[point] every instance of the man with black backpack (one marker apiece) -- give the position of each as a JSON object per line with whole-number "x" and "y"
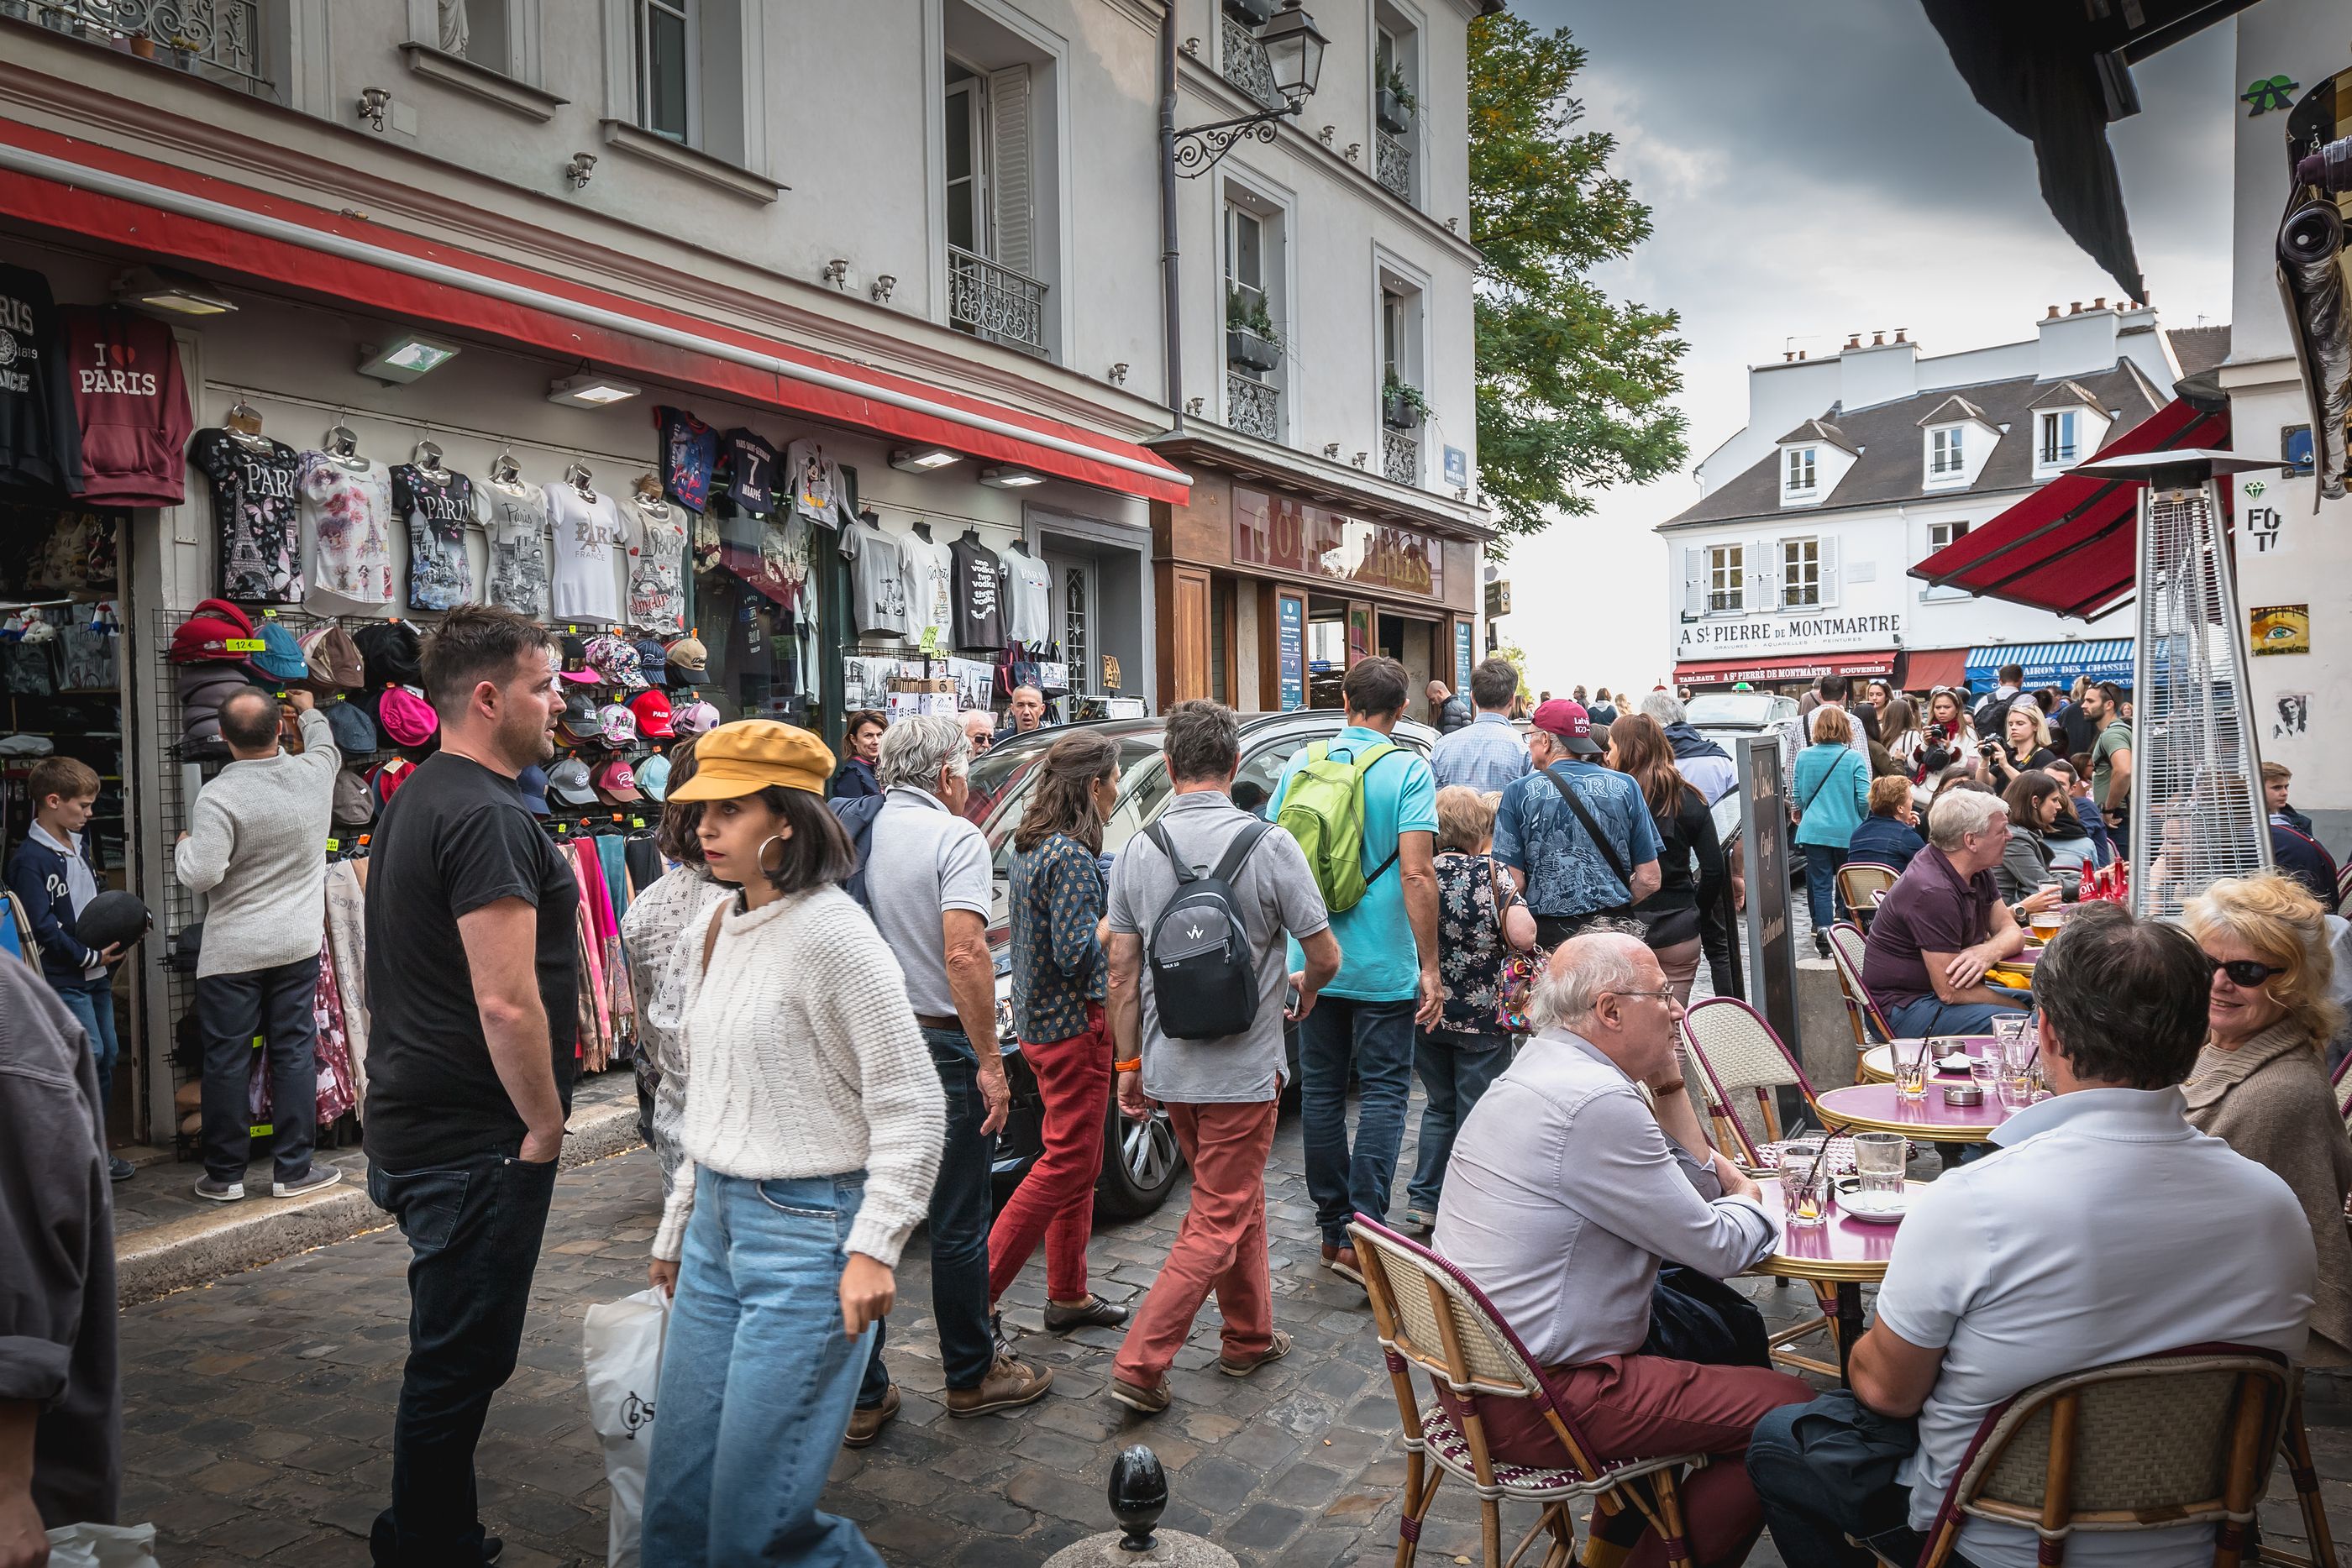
{"x": 1199, "y": 904}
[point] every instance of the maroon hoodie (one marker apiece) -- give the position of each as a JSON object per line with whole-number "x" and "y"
{"x": 133, "y": 405}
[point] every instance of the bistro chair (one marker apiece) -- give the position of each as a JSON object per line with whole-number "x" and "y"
{"x": 2343, "y": 886}
{"x": 1738, "y": 1055}
{"x": 1869, "y": 1025}
{"x": 1431, "y": 1316}
{"x": 2184, "y": 1438}
{"x": 1862, "y": 885}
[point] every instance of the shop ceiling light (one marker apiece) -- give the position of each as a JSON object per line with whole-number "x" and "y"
{"x": 158, "y": 289}
{"x": 923, "y": 459}
{"x": 405, "y": 358}
{"x": 1009, "y": 478}
{"x": 589, "y": 391}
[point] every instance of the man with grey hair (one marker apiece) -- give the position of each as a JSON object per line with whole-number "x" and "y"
{"x": 1567, "y": 1191}
{"x": 927, "y": 884}
{"x": 1943, "y": 924}
{"x": 979, "y": 730}
{"x": 1703, "y": 765}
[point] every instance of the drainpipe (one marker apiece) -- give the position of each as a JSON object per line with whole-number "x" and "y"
{"x": 1170, "y": 296}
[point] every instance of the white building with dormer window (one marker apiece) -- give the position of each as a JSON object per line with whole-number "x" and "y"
{"x": 1855, "y": 466}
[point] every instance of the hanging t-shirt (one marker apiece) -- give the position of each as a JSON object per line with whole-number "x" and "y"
{"x": 253, "y": 491}
{"x": 588, "y": 539}
{"x": 931, "y": 590}
{"x": 690, "y": 449}
{"x": 346, "y": 513}
{"x": 750, "y": 472}
{"x": 40, "y": 445}
{"x": 1027, "y": 618}
{"x": 979, "y": 594}
{"x": 132, "y": 406}
{"x": 515, "y": 517}
{"x": 657, "y": 569}
{"x": 877, "y": 584}
{"x": 437, "y": 507}
{"x": 812, "y": 480}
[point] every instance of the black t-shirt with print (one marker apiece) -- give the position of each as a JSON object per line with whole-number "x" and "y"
{"x": 438, "y": 509}
{"x": 750, "y": 472}
{"x": 256, "y": 497}
{"x": 978, "y": 595}
{"x": 454, "y": 838}
{"x": 40, "y": 436}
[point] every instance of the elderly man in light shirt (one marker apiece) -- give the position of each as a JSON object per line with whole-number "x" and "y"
{"x": 1568, "y": 1190}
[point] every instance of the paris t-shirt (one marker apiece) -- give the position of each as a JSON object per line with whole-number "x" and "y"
{"x": 254, "y": 500}
{"x": 931, "y": 580}
{"x": 657, "y": 569}
{"x": 437, "y": 507}
{"x": 347, "y": 515}
{"x": 979, "y": 594}
{"x": 588, "y": 535}
{"x": 515, "y": 518}
{"x": 1027, "y": 618}
{"x": 877, "y": 593}
{"x": 689, "y": 450}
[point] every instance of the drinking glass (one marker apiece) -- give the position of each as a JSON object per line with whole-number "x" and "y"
{"x": 1984, "y": 1067}
{"x": 1879, "y": 1158}
{"x": 1912, "y": 1065}
{"x": 2019, "y": 1051}
{"x": 1804, "y": 1182}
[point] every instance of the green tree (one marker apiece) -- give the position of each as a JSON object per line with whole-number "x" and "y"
{"x": 1572, "y": 385}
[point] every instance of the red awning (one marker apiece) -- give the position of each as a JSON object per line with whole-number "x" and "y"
{"x": 1925, "y": 669}
{"x": 79, "y": 187}
{"x": 1787, "y": 667}
{"x": 2069, "y": 545}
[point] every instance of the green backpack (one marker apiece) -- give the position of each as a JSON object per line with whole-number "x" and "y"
{"x": 1323, "y": 809}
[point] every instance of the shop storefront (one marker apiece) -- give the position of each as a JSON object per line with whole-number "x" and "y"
{"x": 1788, "y": 673}
{"x": 2056, "y": 664}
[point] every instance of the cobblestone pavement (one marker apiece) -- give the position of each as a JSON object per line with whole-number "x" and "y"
{"x": 257, "y": 1412}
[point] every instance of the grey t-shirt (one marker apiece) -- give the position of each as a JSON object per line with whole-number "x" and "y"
{"x": 923, "y": 861}
{"x": 1278, "y": 894}
{"x": 878, "y": 580}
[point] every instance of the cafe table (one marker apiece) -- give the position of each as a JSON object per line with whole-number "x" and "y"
{"x": 1881, "y": 1108}
{"x": 1877, "y": 1065}
{"x": 2017, "y": 971}
{"x": 1842, "y": 1251}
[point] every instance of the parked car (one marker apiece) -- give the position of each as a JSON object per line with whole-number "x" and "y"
{"x": 1727, "y": 718}
{"x": 1140, "y": 1159}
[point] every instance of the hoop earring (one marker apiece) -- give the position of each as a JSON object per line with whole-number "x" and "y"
{"x": 765, "y": 869}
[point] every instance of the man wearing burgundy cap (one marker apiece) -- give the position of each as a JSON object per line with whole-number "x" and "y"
{"x": 1577, "y": 836}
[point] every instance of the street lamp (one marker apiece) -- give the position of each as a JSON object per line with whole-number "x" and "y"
{"x": 1294, "y": 56}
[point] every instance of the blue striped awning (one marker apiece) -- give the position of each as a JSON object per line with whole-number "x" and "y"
{"x": 2051, "y": 663}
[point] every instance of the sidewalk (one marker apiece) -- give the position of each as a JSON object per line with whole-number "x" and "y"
{"x": 167, "y": 1239}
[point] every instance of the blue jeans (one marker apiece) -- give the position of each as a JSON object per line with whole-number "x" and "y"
{"x": 93, "y": 1007}
{"x": 1378, "y": 1037}
{"x": 1455, "y": 1069}
{"x": 962, "y": 1211}
{"x": 757, "y": 1378}
{"x": 1826, "y": 1470}
{"x": 1926, "y": 1016}
{"x": 1821, "y": 863}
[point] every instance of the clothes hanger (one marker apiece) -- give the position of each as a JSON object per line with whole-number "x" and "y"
{"x": 1021, "y": 546}
{"x": 244, "y": 422}
{"x": 972, "y": 535}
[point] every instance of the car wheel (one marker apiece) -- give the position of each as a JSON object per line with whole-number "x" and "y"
{"x": 1140, "y": 1165}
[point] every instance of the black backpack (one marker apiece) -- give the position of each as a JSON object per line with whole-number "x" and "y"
{"x": 1202, "y": 975}
{"x": 857, "y": 816}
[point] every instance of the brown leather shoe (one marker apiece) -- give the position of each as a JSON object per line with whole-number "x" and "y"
{"x": 1244, "y": 1365}
{"x": 1009, "y": 1384}
{"x": 864, "y": 1426}
{"x": 1096, "y": 1313}
{"x": 1341, "y": 1260}
{"x": 1135, "y": 1398}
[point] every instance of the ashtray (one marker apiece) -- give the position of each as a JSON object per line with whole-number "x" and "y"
{"x": 1963, "y": 1094}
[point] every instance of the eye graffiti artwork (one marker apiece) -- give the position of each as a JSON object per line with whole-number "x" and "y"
{"x": 2280, "y": 629}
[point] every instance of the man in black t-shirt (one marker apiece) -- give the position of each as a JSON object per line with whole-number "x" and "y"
{"x": 470, "y": 978}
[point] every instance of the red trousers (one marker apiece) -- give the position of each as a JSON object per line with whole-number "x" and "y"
{"x": 1629, "y": 1406}
{"x": 1056, "y": 1200}
{"x": 1220, "y": 1245}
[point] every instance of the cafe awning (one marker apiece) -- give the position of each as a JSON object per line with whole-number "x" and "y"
{"x": 2068, "y": 547}
{"x": 2053, "y": 663}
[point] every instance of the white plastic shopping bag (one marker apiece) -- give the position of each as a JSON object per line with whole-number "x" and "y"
{"x": 102, "y": 1546}
{"x": 622, "y": 1344}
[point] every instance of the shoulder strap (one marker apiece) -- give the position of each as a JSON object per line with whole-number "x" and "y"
{"x": 1238, "y": 851}
{"x": 1815, "y": 793}
{"x": 1158, "y": 834}
{"x": 1608, "y": 850}
{"x": 710, "y": 935}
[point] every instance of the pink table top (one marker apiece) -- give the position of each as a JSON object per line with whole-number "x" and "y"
{"x": 1876, "y": 1107}
{"x": 1840, "y": 1249}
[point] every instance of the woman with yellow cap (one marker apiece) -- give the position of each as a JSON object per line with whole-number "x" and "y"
{"x": 811, "y": 1136}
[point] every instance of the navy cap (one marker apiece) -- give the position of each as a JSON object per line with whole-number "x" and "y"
{"x": 532, "y": 783}
{"x": 355, "y": 728}
{"x": 653, "y": 661}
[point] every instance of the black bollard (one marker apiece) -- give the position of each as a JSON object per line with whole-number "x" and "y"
{"x": 1139, "y": 1495}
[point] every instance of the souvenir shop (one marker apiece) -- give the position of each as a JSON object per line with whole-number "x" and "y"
{"x": 303, "y": 486}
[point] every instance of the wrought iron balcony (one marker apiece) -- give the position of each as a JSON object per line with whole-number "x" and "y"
{"x": 1246, "y": 66}
{"x": 216, "y": 38}
{"x": 1252, "y": 407}
{"x": 1401, "y": 456}
{"x": 1393, "y": 164}
{"x": 995, "y": 303}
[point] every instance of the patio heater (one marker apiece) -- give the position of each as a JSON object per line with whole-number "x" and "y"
{"x": 2196, "y": 809}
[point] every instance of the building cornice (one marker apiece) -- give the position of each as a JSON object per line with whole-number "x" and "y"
{"x": 1855, "y": 511}
{"x": 1200, "y": 445}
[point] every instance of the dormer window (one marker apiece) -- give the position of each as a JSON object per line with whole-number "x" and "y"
{"x": 2057, "y": 439}
{"x": 1800, "y": 471}
{"x": 1945, "y": 460}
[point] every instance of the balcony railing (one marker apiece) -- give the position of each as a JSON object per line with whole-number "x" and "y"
{"x": 218, "y": 38}
{"x": 1252, "y": 407}
{"x": 1393, "y": 164}
{"x": 1401, "y": 456}
{"x": 995, "y": 303}
{"x": 1246, "y": 66}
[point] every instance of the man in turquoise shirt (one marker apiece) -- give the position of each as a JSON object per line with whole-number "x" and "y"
{"x": 1388, "y": 978}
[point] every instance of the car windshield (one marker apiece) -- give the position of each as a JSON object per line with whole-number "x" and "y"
{"x": 1138, "y": 755}
{"x": 1747, "y": 710}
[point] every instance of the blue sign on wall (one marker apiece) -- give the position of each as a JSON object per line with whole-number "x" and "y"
{"x": 1457, "y": 466}
{"x": 1462, "y": 655}
{"x": 1290, "y": 650}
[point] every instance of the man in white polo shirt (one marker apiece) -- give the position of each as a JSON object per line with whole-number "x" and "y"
{"x": 2102, "y": 1228}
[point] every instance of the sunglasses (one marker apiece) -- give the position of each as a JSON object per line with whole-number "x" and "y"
{"x": 2246, "y": 972}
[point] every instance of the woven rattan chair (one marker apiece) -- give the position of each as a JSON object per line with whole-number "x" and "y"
{"x": 1738, "y": 1055}
{"x": 1862, "y": 885}
{"x": 1869, "y": 1025}
{"x": 2149, "y": 1444}
{"x": 2343, "y": 886}
{"x": 1431, "y": 1316}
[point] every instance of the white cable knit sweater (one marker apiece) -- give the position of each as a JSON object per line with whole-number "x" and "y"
{"x": 808, "y": 1063}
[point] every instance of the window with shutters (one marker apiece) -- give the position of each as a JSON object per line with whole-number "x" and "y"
{"x": 1726, "y": 579}
{"x": 1800, "y": 574}
{"x": 684, "y": 88}
{"x": 997, "y": 171}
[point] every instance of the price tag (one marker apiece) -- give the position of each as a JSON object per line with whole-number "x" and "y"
{"x": 272, "y": 614}
{"x": 572, "y": 631}
{"x": 334, "y": 844}
{"x": 636, "y": 822}
{"x": 243, "y": 645}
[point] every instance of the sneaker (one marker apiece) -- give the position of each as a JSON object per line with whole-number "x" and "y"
{"x": 120, "y": 1169}
{"x": 1418, "y": 1221}
{"x": 1095, "y": 1313}
{"x": 312, "y": 1180}
{"x": 1135, "y": 1398}
{"x": 220, "y": 1191}
{"x": 864, "y": 1426}
{"x": 1010, "y": 1384}
{"x": 1341, "y": 1260}
{"x": 1274, "y": 1351}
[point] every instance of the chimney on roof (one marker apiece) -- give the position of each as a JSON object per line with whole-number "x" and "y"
{"x": 1899, "y": 336}
{"x": 1803, "y": 354}
{"x": 2074, "y": 308}
{"x": 2053, "y": 314}
{"x": 1854, "y": 342}
{"x": 1878, "y": 340}
{"x": 2100, "y": 303}
{"x": 2081, "y": 342}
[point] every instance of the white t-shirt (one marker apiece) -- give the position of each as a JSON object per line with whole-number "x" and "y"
{"x": 514, "y": 517}
{"x": 1025, "y": 588}
{"x": 930, "y": 580}
{"x": 2105, "y": 1227}
{"x": 656, "y": 568}
{"x": 924, "y": 861}
{"x": 878, "y": 580}
{"x": 588, "y": 538}
{"x": 345, "y": 512}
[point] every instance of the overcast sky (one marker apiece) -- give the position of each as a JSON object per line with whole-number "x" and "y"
{"x": 1815, "y": 168}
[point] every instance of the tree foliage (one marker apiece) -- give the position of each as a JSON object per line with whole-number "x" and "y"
{"x": 1572, "y": 385}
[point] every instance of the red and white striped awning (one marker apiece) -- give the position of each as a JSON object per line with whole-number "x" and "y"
{"x": 234, "y": 231}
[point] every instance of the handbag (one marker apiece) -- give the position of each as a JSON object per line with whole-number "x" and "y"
{"x": 1518, "y": 985}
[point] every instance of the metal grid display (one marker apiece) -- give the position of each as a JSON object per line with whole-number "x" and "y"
{"x": 2197, "y": 812}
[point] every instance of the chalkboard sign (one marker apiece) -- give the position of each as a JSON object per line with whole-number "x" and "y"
{"x": 1290, "y": 650}
{"x": 1764, "y": 838}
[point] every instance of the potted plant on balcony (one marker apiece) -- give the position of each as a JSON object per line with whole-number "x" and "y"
{"x": 1402, "y": 406}
{"x": 1397, "y": 103}
{"x": 17, "y": 10}
{"x": 1251, "y": 13}
{"x": 1250, "y": 340}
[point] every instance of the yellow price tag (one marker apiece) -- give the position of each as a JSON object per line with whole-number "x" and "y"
{"x": 334, "y": 844}
{"x": 243, "y": 645}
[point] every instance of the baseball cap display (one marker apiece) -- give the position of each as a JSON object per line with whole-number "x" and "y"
{"x": 356, "y": 735}
{"x": 688, "y": 654}
{"x": 354, "y": 806}
{"x": 697, "y": 717}
{"x": 580, "y": 715}
{"x": 114, "y": 916}
{"x": 652, "y": 777}
{"x": 279, "y": 657}
{"x": 388, "y": 777}
{"x": 333, "y": 659}
{"x": 1569, "y": 723}
{"x": 531, "y": 785}
{"x": 205, "y": 635}
{"x": 616, "y": 784}
{"x": 388, "y": 653}
{"x": 568, "y": 782}
{"x": 618, "y": 724}
{"x": 403, "y": 714}
{"x": 653, "y": 714}
{"x": 614, "y": 661}
{"x": 572, "y": 660}
{"x": 653, "y": 661}
{"x": 752, "y": 754}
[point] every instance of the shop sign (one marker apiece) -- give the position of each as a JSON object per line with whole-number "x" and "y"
{"x": 1798, "y": 634}
{"x": 1290, "y": 650}
{"x": 1462, "y": 661}
{"x": 1314, "y": 541}
{"x": 1498, "y": 599}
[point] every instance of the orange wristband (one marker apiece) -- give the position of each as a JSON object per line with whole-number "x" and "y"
{"x": 1132, "y": 1064}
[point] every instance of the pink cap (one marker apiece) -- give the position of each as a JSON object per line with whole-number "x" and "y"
{"x": 405, "y": 716}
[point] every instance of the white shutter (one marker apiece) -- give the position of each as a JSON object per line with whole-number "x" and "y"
{"x": 1763, "y": 575}
{"x": 1694, "y": 582}
{"x": 1013, "y": 214}
{"x": 1829, "y": 569}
